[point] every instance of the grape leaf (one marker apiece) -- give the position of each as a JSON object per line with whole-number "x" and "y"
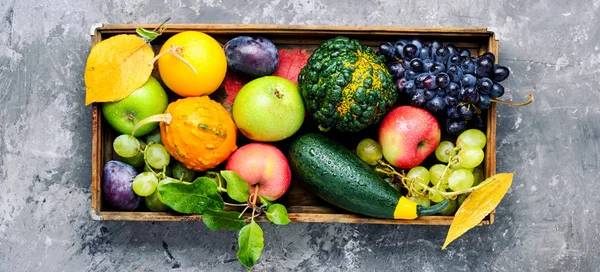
{"x": 237, "y": 188}
{"x": 478, "y": 205}
{"x": 192, "y": 198}
{"x": 251, "y": 242}
{"x": 216, "y": 220}
{"x": 278, "y": 214}
{"x": 116, "y": 67}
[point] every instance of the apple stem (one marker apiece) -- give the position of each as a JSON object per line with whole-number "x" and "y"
{"x": 236, "y": 204}
{"x": 243, "y": 211}
{"x": 176, "y": 51}
{"x": 527, "y": 102}
{"x": 223, "y": 190}
{"x": 163, "y": 117}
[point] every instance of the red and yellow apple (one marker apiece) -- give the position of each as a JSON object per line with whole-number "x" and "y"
{"x": 408, "y": 135}
{"x": 262, "y": 164}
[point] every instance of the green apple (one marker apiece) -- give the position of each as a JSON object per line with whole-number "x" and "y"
{"x": 148, "y": 100}
{"x": 268, "y": 109}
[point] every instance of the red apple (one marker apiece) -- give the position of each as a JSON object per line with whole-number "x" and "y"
{"x": 408, "y": 135}
{"x": 263, "y": 164}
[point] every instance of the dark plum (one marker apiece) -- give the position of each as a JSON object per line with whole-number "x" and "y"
{"x": 117, "y": 178}
{"x": 252, "y": 56}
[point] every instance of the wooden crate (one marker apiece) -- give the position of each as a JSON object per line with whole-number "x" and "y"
{"x": 303, "y": 206}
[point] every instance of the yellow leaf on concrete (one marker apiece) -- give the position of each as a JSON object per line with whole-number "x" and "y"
{"x": 116, "y": 67}
{"x": 478, "y": 205}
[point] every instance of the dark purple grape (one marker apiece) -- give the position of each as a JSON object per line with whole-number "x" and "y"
{"x": 470, "y": 95}
{"x": 399, "y": 49}
{"x": 455, "y": 73}
{"x": 440, "y": 92}
{"x": 424, "y": 53}
{"x": 396, "y": 70}
{"x": 489, "y": 55}
{"x": 405, "y": 64}
{"x": 419, "y": 80}
{"x": 410, "y": 74}
{"x": 429, "y": 94}
{"x": 465, "y": 112}
{"x": 400, "y": 84}
{"x": 437, "y": 68}
{"x": 465, "y": 52}
{"x": 497, "y": 91}
{"x": 433, "y": 46}
{"x": 417, "y": 43}
{"x": 427, "y": 64}
{"x": 484, "y": 102}
{"x": 500, "y": 73}
{"x": 416, "y": 64}
{"x": 117, "y": 178}
{"x": 409, "y": 87}
{"x": 468, "y": 66}
{"x": 455, "y": 127}
{"x": 387, "y": 50}
{"x": 478, "y": 122}
{"x": 484, "y": 66}
{"x": 468, "y": 80}
{"x": 435, "y": 104}
{"x": 450, "y": 101}
{"x": 452, "y": 89}
{"x": 484, "y": 85}
{"x": 442, "y": 80}
{"x": 410, "y": 51}
{"x": 429, "y": 82}
{"x": 452, "y": 49}
{"x": 442, "y": 54}
{"x": 252, "y": 56}
{"x": 418, "y": 98}
{"x": 452, "y": 112}
{"x": 453, "y": 59}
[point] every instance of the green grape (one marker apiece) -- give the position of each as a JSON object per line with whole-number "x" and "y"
{"x": 144, "y": 184}
{"x": 456, "y": 166}
{"x": 154, "y": 137}
{"x": 443, "y": 151}
{"x": 460, "y": 199}
{"x": 478, "y": 176}
{"x": 473, "y": 138}
{"x": 369, "y": 151}
{"x": 435, "y": 174}
{"x": 460, "y": 179}
{"x": 135, "y": 161}
{"x": 421, "y": 200}
{"x": 154, "y": 204}
{"x": 179, "y": 171}
{"x": 162, "y": 182}
{"x": 126, "y": 146}
{"x": 470, "y": 157}
{"x": 420, "y": 174}
{"x": 450, "y": 209}
{"x": 435, "y": 196}
{"x": 157, "y": 156}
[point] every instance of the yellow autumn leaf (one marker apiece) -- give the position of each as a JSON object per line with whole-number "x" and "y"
{"x": 116, "y": 67}
{"x": 478, "y": 205}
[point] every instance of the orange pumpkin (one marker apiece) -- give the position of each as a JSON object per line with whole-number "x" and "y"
{"x": 200, "y": 134}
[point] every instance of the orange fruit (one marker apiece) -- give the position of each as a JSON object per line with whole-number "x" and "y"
{"x": 204, "y": 53}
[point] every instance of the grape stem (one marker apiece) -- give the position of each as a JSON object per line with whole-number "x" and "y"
{"x": 176, "y": 51}
{"x": 528, "y": 96}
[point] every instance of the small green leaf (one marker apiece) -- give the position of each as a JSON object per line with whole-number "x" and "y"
{"x": 216, "y": 220}
{"x": 264, "y": 201}
{"x": 148, "y": 35}
{"x": 251, "y": 242}
{"x": 237, "y": 188}
{"x": 192, "y": 198}
{"x": 278, "y": 214}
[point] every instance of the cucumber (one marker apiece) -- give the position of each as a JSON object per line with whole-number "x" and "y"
{"x": 340, "y": 177}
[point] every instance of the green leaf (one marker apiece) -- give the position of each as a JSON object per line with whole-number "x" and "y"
{"x": 251, "y": 242}
{"x": 216, "y": 220}
{"x": 148, "y": 35}
{"x": 192, "y": 198}
{"x": 237, "y": 188}
{"x": 264, "y": 201}
{"x": 278, "y": 214}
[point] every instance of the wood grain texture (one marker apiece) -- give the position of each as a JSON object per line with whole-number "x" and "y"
{"x": 303, "y": 206}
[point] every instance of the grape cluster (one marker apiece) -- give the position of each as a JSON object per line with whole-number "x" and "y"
{"x": 153, "y": 158}
{"x": 445, "y": 80}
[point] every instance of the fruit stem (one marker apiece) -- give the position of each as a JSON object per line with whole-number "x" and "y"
{"x": 176, "y": 52}
{"x": 236, "y": 204}
{"x": 528, "y": 96}
{"x": 223, "y": 190}
{"x": 243, "y": 211}
{"x": 159, "y": 29}
{"x": 163, "y": 117}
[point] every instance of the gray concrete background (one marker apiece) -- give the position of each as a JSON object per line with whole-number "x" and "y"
{"x": 547, "y": 222}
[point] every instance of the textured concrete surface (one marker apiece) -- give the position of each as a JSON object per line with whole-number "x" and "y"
{"x": 548, "y": 221}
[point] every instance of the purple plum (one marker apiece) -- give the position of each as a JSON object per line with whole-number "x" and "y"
{"x": 252, "y": 56}
{"x": 117, "y": 178}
